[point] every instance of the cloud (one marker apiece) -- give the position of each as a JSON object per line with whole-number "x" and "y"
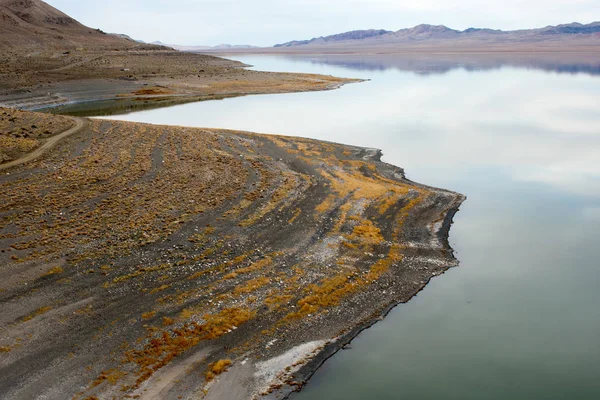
{"x": 266, "y": 22}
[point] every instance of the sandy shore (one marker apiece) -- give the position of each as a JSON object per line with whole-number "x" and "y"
{"x": 139, "y": 79}
{"x": 202, "y": 263}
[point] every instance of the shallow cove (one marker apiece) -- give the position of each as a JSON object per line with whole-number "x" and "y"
{"x": 519, "y": 318}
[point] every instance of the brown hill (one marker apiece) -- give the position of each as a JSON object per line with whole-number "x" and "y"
{"x": 49, "y": 59}
{"x": 34, "y": 24}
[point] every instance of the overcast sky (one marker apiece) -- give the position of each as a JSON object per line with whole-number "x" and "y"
{"x": 267, "y": 22}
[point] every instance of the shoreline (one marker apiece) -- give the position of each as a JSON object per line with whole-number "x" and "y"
{"x": 97, "y": 107}
{"x": 131, "y": 78}
{"x": 93, "y": 104}
{"x": 303, "y": 376}
{"x": 274, "y": 300}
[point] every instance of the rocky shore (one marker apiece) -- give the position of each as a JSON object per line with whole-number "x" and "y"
{"x": 147, "y": 261}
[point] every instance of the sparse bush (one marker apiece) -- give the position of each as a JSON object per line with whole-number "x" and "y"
{"x": 217, "y": 368}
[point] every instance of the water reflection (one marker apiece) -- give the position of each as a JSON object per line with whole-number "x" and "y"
{"x": 348, "y": 65}
{"x": 519, "y": 319}
{"x": 532, "y": 126}
{"x": 567, "y": 63}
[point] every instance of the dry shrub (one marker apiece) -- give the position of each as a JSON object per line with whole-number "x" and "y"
{"x": 329, "y": 293}
{"x": 148, "y": 315}
{"x": 160, "y": 289}
{"x": 152, "y": 91}
{"x": 39, "y": 311}
{"x": 367, "y": 233}
{"x": 251, "y": 285}
{"x": 162, "y": 349}
{"x": 217, "y": 368}
{"x": 111, "y": 376}
{"x": 54, "y": 271}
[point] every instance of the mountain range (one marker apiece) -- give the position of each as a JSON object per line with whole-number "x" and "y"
{"x": 33, "y": 25}
{"x": 340, "y": 37}
{"x": 201, "y": 48}
{"x": 442, "y": 36}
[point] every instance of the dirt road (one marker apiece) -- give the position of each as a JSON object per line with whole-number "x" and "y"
{"x": 80, "y": 125}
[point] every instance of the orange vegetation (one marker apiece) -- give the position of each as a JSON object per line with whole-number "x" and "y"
{"x": 39, "y": 311}
{"x": 162, "y": 349}
{"x": 217, "y": 368}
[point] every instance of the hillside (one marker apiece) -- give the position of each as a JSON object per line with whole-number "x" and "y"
{"x": 34, "y": 24}
{"x": 49, "y": 59}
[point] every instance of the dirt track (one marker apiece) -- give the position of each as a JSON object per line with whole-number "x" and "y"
{"x": 79, "y": 125}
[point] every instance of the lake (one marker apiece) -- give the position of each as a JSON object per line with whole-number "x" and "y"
{"x": 520, "y": 317}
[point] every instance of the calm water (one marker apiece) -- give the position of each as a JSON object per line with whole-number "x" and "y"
{"x": 520, "y": 317}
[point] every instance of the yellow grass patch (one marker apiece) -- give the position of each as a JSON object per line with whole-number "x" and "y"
{"x": 148, "y": 315}
{"x": 251, "y": 286}
{"x": 54, "y": 271}
{"x": 217, "y": 368}
{"x": 38, "y": 312}
{"x": 111, "y": 376}
{"x": 163, "y": 348}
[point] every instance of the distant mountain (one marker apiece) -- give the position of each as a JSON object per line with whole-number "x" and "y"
{"x": 424, "y": 32}
{"x": 234, "y": 46}
{"x": 422, "y": 36}
{"x": 123, "y": 36}
{"x": 34, "y": 24}
{"x": 572, "y": 29}
{"x": 352, "y": 35}
{"x": 195, "y": 49}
